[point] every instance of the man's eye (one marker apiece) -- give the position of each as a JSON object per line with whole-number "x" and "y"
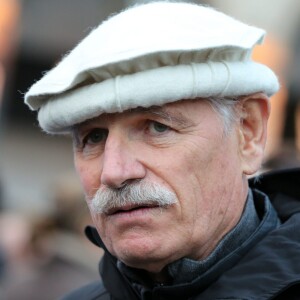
{"x": 156, "y": 127}
{"x": 95, "y": 136}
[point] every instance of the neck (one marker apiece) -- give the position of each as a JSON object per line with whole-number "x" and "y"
{"x": 163, "y": 277}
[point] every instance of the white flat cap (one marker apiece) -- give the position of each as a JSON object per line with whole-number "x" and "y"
{"x": 148, "y": 55}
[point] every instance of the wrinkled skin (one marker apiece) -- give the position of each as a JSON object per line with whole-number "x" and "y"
{"x": 181, "y": 146}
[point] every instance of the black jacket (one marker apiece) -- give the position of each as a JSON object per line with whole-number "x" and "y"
{"x": 269, "y": 270}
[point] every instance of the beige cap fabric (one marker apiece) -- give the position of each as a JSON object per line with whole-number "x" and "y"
{"x": 148, "y": 55}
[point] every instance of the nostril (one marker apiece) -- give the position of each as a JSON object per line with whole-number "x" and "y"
{"x": 124, "y": 183}
{"x": 129, "y": 181}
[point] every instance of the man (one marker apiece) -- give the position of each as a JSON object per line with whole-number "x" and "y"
{"x": 168, "y": 115}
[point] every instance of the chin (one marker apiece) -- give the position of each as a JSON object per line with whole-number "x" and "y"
{"x": 149, "y": 264}
{"x": 141, "y": 255}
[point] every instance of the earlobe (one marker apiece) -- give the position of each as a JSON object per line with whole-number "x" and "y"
{"x": 254, "y": 114}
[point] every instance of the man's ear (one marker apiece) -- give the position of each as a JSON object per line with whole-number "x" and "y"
{"x": 254, "y": 114}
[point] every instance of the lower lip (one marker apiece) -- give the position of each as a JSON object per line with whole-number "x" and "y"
{"x": 135, "y": 213}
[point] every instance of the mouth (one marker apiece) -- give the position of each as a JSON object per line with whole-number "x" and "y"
{"x": 130, "y": 208}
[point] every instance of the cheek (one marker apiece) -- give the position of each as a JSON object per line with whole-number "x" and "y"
{"x": 196, "y": 167}
{"x": 89, "y": 176}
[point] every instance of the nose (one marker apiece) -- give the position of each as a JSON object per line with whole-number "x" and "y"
{"x": 120, "y": 164}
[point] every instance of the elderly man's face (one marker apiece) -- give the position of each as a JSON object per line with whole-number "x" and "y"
{"x": 180, "y": 147}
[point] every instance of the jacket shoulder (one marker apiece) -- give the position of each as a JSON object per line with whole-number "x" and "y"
{"x": 92, "y": 291}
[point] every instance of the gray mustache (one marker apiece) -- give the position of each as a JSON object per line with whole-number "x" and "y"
{"x": 139, "y": 193}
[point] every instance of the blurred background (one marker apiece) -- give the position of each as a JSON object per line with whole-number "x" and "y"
{"x": 43, "y": 253}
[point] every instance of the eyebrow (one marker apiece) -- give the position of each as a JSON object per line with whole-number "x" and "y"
{"x": 165, "y": 114}
{"x": 162, "y": 112}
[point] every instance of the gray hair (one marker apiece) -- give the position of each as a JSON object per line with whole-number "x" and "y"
{"x": 227, "y": 109}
